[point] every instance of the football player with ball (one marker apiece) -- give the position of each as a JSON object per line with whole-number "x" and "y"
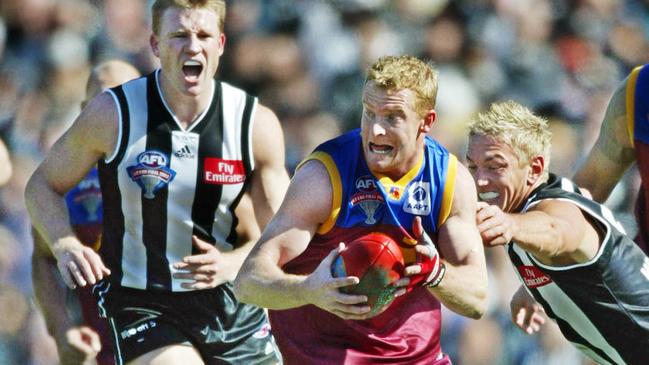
{"x": 406, "y": 209}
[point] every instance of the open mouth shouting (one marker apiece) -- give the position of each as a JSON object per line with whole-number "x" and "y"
{"x": 487, "y": 196}
{"x": 380, "y": 149}
{"x": 192, "y": 70}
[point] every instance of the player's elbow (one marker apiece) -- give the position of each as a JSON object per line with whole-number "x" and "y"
{"x": 473, "y": 305}
{"x": 243, "y": 287}
{"x": 478, "y": 310}
{"x": 478, "y": 306}
{"x": 239, "y": 287}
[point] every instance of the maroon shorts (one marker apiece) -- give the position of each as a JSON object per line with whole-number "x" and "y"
{"x": 92, "y": 319}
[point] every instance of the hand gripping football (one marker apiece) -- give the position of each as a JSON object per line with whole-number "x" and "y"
{"x": 376, "y": 259}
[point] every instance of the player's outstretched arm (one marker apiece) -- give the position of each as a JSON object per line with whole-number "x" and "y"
{"x": 92, "y": 136}
{"x": 612, "y": 153}
{"x": 261, "y": 280}
{"x": 553, "y": 231}
{"x": 463, "y": 288}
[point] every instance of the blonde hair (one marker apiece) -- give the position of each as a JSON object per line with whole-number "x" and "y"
{"x": 407, "y": 72}
{"x": 160, "y": 6}
{"x": 108, "y": 74}
{"x": 514, "y": 124}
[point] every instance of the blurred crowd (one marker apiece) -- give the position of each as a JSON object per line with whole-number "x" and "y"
{"x": 306, "y": 60}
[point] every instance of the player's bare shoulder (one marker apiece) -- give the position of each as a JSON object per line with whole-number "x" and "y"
{"x": 98, "y": 125}
{"x": 312, "y": 191}
{"x": 465, "y": 194}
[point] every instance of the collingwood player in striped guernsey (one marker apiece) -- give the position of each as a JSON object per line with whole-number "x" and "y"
{"x": 176, "y": 151}
{"x": 570, "y": 253}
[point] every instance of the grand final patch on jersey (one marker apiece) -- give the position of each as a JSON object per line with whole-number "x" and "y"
{"x": 223, "y": 172}
{"x": 418, "y": 201}
{"x": 151, "y": 172}
{"x": 89, "y": 197}
{"x": 367, "y": 197}
{"x": 533, "y": 277}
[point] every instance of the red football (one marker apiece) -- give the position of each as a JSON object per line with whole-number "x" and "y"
{"x": 376, "y": 259}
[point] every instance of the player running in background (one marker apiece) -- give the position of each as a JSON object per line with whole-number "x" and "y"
{"x": 390, "y": 177}
{"x": 570, "y": 253}
{"x": 72, "y": 317}
{"x": 176, "y": 151}
{"x": 623, "y": 139}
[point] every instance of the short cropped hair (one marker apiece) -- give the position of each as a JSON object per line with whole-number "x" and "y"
{"x": 528, "y": 134}
{"x": 407, "y": 72}
{"x": 159, "y": 7}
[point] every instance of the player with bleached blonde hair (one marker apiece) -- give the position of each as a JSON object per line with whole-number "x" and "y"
{"x": 574, "y": 259}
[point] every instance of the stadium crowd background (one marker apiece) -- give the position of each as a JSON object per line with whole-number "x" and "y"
{"x": 305, "y": 59}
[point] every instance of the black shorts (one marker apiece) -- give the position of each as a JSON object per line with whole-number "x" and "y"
{"x": 223, "y": 330}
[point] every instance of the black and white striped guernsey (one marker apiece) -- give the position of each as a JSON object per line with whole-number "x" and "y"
{"x": 164, "y": 184}
{"x": 601, "y": 306}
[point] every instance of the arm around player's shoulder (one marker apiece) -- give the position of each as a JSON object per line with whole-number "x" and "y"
{"x": 270, "y": 179}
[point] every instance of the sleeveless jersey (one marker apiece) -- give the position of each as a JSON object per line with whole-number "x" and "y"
{"x": 408, "y": 331}
{"x": 164, "y": 184}
{"x": 601, "y": 306}
{"x": 85, "y": 209}
{"x": 637, "y": 98}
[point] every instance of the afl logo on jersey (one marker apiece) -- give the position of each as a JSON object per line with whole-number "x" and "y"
{"x": 365, "y": 184}
{"x": 151, "y": 172}
{"x": 367, "y": 197}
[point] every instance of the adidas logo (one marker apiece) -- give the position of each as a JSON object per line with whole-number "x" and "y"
{"x": 184, "y": 152}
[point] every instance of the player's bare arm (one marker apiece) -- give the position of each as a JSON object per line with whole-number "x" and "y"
{"x": 91, "y": 137}
{"x": 612, "y": 153}
{"x": 270, "y": 179}
{"x": 554, "y": 231}
{"x": 247, "y": 229}
{"x": 464, "y": 286}
{"x": 261, "y": 280}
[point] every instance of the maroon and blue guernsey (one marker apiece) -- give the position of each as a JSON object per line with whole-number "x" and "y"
{"x": 85, "y": 209}
{"x": 408, "y": 332}
{"x": 637, "y": 98}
